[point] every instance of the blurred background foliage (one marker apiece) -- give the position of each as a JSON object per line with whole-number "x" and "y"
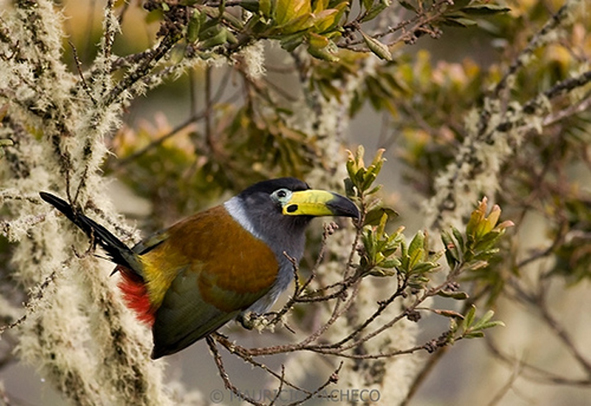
{"x": 421, "y": 67}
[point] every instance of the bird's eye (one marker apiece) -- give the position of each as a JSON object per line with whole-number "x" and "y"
{"x": 282, "y": 195}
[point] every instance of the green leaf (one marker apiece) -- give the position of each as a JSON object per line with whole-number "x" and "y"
{"x": 475, "y": 265}
{"x": 485, "y": 9}
{"x": 373, "y": 217}
{"x": 301, "y": 23}
{"x": 359, "y": 177}
{"x": 194, "y": 26}
{"x": 407, "y": 5}
{"x": 265, "y": 6}
{"x": 381, "y": 272}
{"x": 154, "y": 16}
{"x": 375, "y": 190}
{"x": 292, "y": 41}
{"x": 367, "y": 4}
{"x": 390, "y": 263}
{"x": 210, "y": 32}
{"x": 252, "y": 5}
{"x": 375, "y": 46}
{"x": 469, "y": 317}
{"x": 459, "y": 4}
{"x": 452, "y": 255}
{"x": 404, "y": 258}
{"x": 320, "y": 5}
{"x": 417, "y": 243}
{"x": 415, "y": 257}
{"x": 424, "y": 267}
{"x": 368, "y": 180}
{"x": 323, "y": 54}
{"x": 484, "y": 319}
{"x": 378, "y": 159}
{"x": 491, "y": 324}
{"x": 234, "y": 22}
{"x": 457, "y": 295}
{"x": 488, "y": 223}
{"x": 380, "y": 230}
{"x": 453, "y": 327}
{"x": 287, "y": 11}
{"x": 375, "y": 10}
{"x": 214, "y": 38}
{"x": 459, "y": 238}
{"x": 177, "y": 54}
{"x": 322, "y": 48}
{"x": 475, "y": 334}
{"x": 448, "y": 313}
{"x": 459, "y": 22}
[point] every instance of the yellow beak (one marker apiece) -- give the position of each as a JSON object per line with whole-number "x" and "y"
{"x": 319, "y": 203}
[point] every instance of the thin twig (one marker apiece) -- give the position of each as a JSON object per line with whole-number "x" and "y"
{"x": 79, "y": 69}
{"x": 34, "y": 298}
{"x": 182, "y": 126}
{"x": 224, "y": 375}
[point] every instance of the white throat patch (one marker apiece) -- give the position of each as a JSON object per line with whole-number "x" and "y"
{"x": 235, "y": 209}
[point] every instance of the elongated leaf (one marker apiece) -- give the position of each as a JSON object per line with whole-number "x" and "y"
{"x": 288, "y": 10}
{"x": 459, "y": 22}
{"x": 469, "y": 317}
{"x": 367, "y": 4}
{"x": 194, "y": 26}
{"x": 298, "y": 24}
{"x": 448, "y": 313}
{"x": 458, "y": 295}
{"x": 375, "y": 10}
{"x": 491, "y": 324}
{"x": 320, "y": 5}
{"x": 373, "y": 216}
{"x": 375, "y": 46}
{"x": 475, "y": 334}
{"x": 417, "y": 243}
{"x": 452, "y": 254}
{"x": 251, "y": 5}
{"x": 485, "y": 9}
{"x": 407, "y": 5}
{"x": 291, "y": 42}
{"x": 324, "y": 20}
{"x": 484, "y": 319}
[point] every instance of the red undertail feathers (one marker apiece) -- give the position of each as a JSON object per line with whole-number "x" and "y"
{"x": 136, "y": 295}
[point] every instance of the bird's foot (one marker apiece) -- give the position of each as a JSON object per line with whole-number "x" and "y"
{"x": 248, "y": 320}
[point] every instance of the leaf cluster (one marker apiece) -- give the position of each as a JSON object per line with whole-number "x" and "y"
{"x": 323, "y": 26}
{"x": 478, "y": 243}
{"x": 390, "y": 255}
{"x": 472, "y": 327}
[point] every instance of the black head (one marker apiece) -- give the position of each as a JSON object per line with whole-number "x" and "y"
{"x": 293, "y": 198}
{"x": 272, "y": 185}
{"x": 278, "y": 211}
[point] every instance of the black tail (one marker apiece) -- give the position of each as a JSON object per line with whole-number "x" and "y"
{"x": 120, "y": 253}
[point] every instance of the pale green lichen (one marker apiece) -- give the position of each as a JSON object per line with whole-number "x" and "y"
{"x": 253, "y": 58}
{"x": 75, "y": 318}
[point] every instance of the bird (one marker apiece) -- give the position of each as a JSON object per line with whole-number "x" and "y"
{"x": 236, "y": 258}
